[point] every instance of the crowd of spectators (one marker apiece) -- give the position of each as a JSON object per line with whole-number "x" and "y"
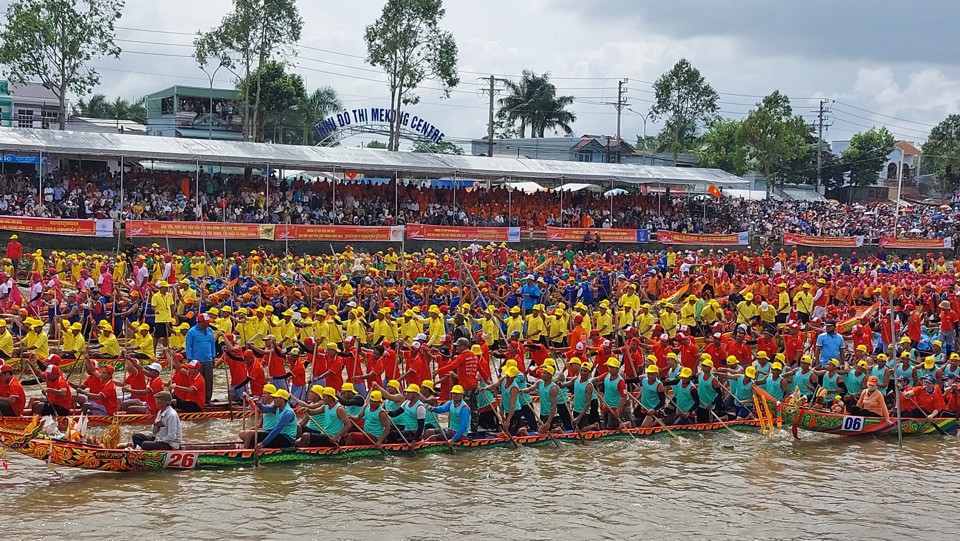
{"x": 173, "y": 196}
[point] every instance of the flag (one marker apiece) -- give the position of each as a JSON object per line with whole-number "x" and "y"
{"x": 714, "y": 191}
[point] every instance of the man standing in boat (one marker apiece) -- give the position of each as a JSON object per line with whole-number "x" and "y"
{"x": 167, "y": 431}
{"x": 201, "y": 347}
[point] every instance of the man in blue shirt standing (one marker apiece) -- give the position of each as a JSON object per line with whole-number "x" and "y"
{"x": 829, "y": 344}
{"x": 529, "y": 294}
{"x": 201, "y": 346}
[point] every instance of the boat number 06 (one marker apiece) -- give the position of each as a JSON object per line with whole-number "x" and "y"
{"x": 184, "y": 461}
{"x": 852, "y": 424}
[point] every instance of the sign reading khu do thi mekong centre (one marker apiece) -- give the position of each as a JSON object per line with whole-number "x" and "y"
{"x": 377, "y": 115}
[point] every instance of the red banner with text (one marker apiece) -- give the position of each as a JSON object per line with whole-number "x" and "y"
{"x": 55, "y": 226}
{"x": 674, "y": 237}
{"x": 346, "y": 233}
{"x": 464, "y": 234}
{"x": 823, "y": 242}
{"x": 200, "y": 230}
{"x": 915, "y": 244}
{"x": 570, "y": 234}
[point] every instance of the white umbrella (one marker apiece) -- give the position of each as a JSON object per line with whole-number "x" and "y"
{"x": 615, "y": 191}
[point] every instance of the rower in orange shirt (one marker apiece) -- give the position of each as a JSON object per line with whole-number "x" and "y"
{"x": 12, "y": 396}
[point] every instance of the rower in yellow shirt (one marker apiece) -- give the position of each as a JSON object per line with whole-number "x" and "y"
{"x": 669, "y": 320}
{"x": 36, "y": 339}
{"x": 178, "y": 339}
{"x": 644, "y": 322}
{"x": 536, "y": 325}
{"x": 746, "y": 309}
{"x": 604, "y": 319}
{"x": 688, "y": 312}
{"x": 72, "y": 343}
{"x": 437, "y": 328}
{"x": 107, "y": 344}
{"x": 783, "y": 303}
{"x": 803, "y": 303}
{"x": 515, "y": 322}
{"x": 6, "y": 340}
{"x": 630, "y": 303}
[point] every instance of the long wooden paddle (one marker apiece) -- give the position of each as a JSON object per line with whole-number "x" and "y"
{"x": 932, "y": 421}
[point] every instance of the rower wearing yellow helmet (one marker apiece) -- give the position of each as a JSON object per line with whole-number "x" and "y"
{"x": 652, "y": 396}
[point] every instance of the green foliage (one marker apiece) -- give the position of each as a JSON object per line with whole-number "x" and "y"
{"x": 866, "y": 154}
{"x": 377, "y": 144}
{"x": 53, "y": 41}
{"x": 724, "y": 147}
{"x": 776, "y": 138}
{"x": 649, "y": 143}
{"x": 252, "y": 34}
{"x": 941, "y": 154}
{"x": 409, "y": 45}
{"x": 534, "y": 102}
{"x": 99, "y": 107}
{"x": 320, "y": 104}
{"x": 280, "y": 94}
{"x": 685, "y": 99}
{"x": 437, "y": 148}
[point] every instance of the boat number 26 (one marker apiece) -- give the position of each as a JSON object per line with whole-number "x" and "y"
{"x": 184, "y": 461}
{"x": 852, "y": 424}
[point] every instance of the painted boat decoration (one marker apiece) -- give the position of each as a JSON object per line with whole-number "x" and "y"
{"x": 220, "y": 456}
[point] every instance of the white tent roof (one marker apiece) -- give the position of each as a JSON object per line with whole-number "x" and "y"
{"x": 577, "y": 186}
{"x": 210, "y": 152}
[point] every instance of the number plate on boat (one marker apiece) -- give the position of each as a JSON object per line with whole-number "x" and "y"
{"x": 852, "y": 424}
{"x": 182, "y": 461}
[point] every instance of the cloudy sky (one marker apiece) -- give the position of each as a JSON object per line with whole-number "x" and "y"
{"x": 883, "y": 62}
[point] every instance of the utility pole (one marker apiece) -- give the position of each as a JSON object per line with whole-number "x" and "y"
{"x": 620, "y": 104}
{"x": 821, "y": 116}
{"x": 492, "y": 90}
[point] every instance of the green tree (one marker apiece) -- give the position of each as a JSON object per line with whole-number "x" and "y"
{"x": 947, "y": 182}
{"x": 53, "y": 41}
{"x": 280, "y": 95}
{"x": 409, "y": 45}
{"x": 534, "y": 102}
{"x": 941, "y": 154}
{"x": 99, "y": 107}
{"x": 437, "y": 148}
{"x": 687, "y": 102}
{"x": 320, "y": 104}
{"x": 866, "y": 154}
{"x": 253, "y": 33}
{"x": 377, "y": 144}
{"x": 776, "y": 138}
{"x": 724, "y": 146}
{"x": 648, "y": 143}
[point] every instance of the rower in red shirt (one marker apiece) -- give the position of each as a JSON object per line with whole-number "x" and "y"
{"x": 418, "y": 369}
{"x": 255, "y": 374}
{"x": 483, "y": 370}
{"x": 297, "y": 374}
{"x": 104, "y": 400}
{"x": 188, "y": 387}
{"x": 58, "y": 400}
{"x": 389, "y": 359}
{"x": 12, "y": 396}
{"x": 715, "y": 348}
{"x": 142, "y": 383}
{"x": 925, "y": 400}
{"x": 333, "y": 375}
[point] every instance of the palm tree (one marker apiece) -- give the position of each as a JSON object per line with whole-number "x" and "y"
{"x": 320, "y": 104}
{"x": 534, "y": 102}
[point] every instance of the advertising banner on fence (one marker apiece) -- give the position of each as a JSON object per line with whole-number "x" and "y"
{"x": 568, "y": 234}
{"x": 199, "y": 230}
{"x": 346, "y": 233}
{"x": 825, "y": 242}
{"x": 674, "y": 237}
{"x": 465, "y": 234}
{"x": 916, "y": 244}
{"x": 53, "y": 226}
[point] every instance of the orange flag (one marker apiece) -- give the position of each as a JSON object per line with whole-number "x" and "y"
{"x": 714, "y": 191}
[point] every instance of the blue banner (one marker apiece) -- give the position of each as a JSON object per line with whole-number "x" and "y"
{"x": 643, "y": 235}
